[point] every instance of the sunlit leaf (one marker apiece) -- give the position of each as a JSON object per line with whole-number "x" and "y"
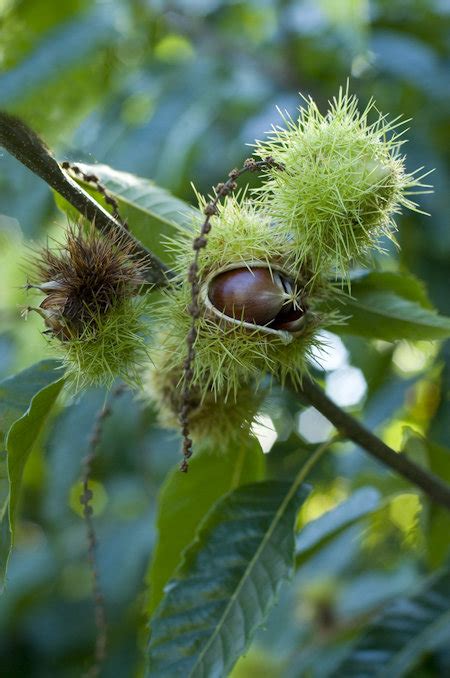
{"x": 185, "y": 501}
{"x": 229, "y": 580}
{"x": 28, "y": 24}
{"x": 314, "y": 534}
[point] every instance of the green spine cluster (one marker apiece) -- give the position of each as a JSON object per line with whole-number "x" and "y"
{"x": 95, "y": 310}
{"x": 331, "y": 190}
{"x": 343, "y": 183}
{"x": 230, "y": 354}
{"x": 213, "y": 423}
{"x": 112, "y": 345}
{"x": 337, "y": 182}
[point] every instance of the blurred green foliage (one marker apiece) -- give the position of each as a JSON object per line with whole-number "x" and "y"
{"x": 173, "y": 91}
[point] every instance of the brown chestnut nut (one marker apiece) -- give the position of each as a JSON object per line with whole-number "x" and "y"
{"x": 289, "y": 319}
{"x": 256, "y": 295}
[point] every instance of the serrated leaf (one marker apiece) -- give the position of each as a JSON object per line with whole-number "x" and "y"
{"x": 184, "y": 502}
{"x": 384, "y": 306}
{"x": 407, "y": 629}
{"x": 229, "y": 580}
{"x": 314, "y": 534}
{"x": 26, "y": 400}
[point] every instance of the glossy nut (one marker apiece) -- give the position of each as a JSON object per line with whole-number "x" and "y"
{"x": 289, "y": 320}
{"x": 255, "y": 295}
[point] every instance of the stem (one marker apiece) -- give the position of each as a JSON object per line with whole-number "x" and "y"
{"x": 30, "y": 150}
{"x": 211, "y": 209}
{"x": 92, "y": 541}
{"x": 347, "y": 425}
{"x": 311, "y": 462}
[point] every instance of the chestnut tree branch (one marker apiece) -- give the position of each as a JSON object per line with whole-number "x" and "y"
{"x": 430, "y": 484}
{"x": 25, "y": 145}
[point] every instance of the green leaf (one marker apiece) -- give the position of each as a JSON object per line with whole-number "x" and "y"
{"x": 391, "y": 306}
{"x": 403, "y": 633}
{"x": 23, "y": 434}
{"x": 143, "y": 194}
{"x": 183, "y": 503}
{"x": 229, "y": 580}
{"x": 437, "y": 458}
{"x": 150, "y": 210}
{"x": 402, "y": 284}
{"x": 26, "y": 400}
{"x": 15, "y": 395}
{"x": 363, "y": 501}
{"x": 17, "y": 391}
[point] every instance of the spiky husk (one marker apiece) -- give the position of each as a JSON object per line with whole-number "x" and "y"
{"x": 214, "y": 422}
{"x": 344, "y": 180}
{"x": 87, "y": 274}
{"x": 92, "y": 308}
{"x": 241, "y": 233}
{"x": 110, "y": 346}
{"x": 229, "y": 354}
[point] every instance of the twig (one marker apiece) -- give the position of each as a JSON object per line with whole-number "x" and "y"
{"x": 26, "y": 146}
{"x": 29, "y": 149}
{"x": 347, "y": 425}
{"x": 85, "y": 500}
{"x": 211, "y": 209}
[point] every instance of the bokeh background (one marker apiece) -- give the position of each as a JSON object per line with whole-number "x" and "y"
{"x": 174, "y": 91}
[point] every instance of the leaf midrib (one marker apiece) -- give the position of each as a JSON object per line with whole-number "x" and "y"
{"x": 277, "y": 517}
